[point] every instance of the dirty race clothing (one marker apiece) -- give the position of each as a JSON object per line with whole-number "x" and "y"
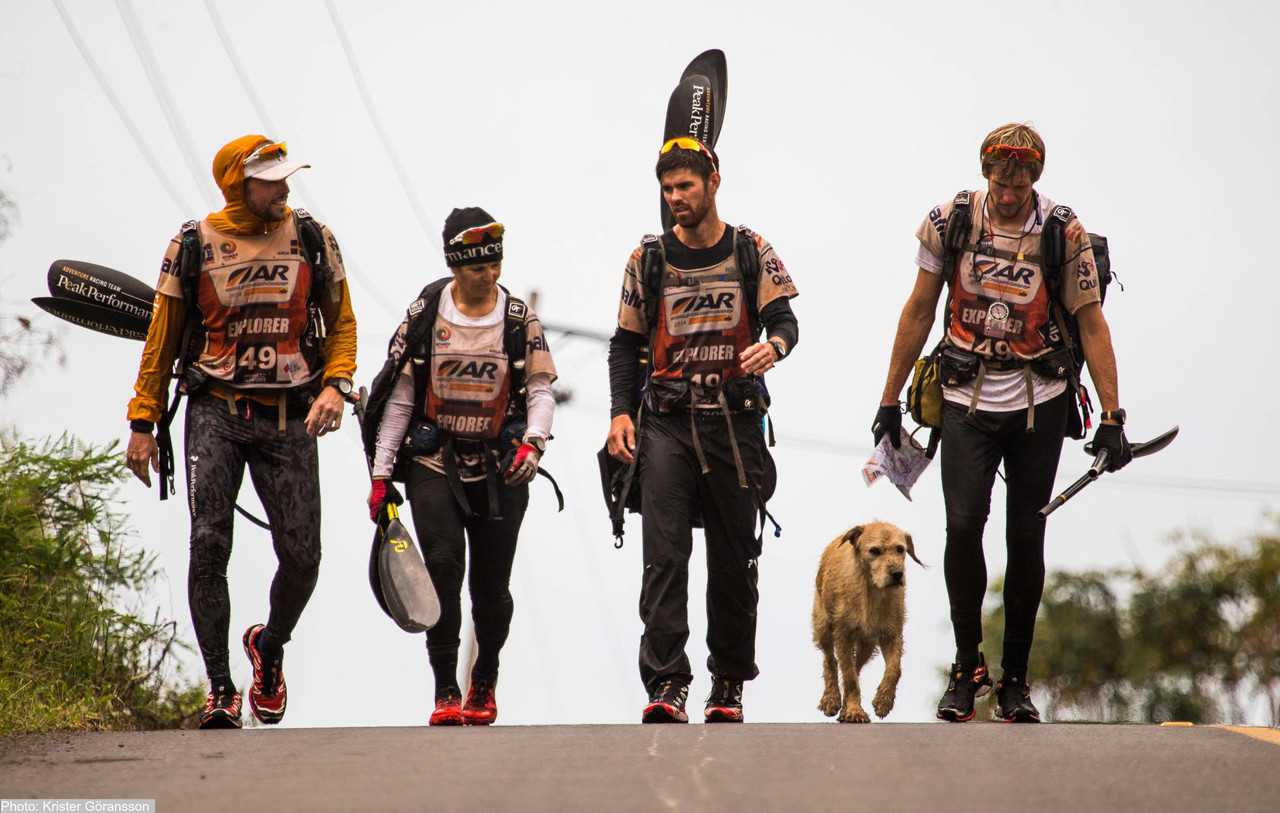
{"x": 468, "y": 397}
{"x": 983, "y": 285}
{"x": 702, "y": 329}
{"x": 469, "y": 391}
{"x": 999, "y": 309}
{"x": 249, "y": 337}
{"x": 218, "y": 447}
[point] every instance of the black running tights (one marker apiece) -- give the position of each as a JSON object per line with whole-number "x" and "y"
{"x": 972, "y": 450}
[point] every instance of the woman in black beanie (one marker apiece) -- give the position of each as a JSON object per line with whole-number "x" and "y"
{"x": 468, "y": 420}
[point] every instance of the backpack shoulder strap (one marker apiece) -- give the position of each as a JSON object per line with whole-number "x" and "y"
{"x": 746, "y": 251}
{"x": 514, "y": 342}
{"x": 1053, "y": 246}
{"x": 190, "y": 262}
{"x": 311, "y": 238}
{"x": 653, "y": 259}
{"x": 958, "y": 230}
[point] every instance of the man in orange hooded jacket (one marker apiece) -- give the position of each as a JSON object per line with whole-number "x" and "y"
{"x": 269, "y": 353}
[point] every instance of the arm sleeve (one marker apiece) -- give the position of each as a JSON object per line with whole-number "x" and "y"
{"x": 624, "y": 358}
{"x": 395, "y": 423}
{"x": 779, "y": 323}
{"x": 168, "y": 320}
{"x": 340, "y": 325}
{"x": 541, "y": 403}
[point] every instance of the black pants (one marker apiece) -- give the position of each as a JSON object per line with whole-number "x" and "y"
{"x": 285, "y": 473}
{"x": 673, "y": 491}
{"x": 444, "y": 533}
{"x": 972, "y": 450}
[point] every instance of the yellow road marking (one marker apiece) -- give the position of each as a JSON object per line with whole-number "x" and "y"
{"x": 1270, "y": 735}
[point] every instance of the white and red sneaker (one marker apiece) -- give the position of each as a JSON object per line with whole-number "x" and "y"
{"x": 267, "y": 696}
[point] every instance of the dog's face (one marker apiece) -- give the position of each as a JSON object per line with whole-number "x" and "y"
{"x": 881, "y": 550}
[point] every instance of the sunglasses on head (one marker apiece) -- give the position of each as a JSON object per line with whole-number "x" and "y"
{"x": 476, "y": 234}
{"x": 268, "y": 152}
{"x": 687, "y": 143}
{"x": 1022, "y": 155}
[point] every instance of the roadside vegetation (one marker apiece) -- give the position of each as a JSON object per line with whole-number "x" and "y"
{"x": 70, "y": 656}
{"x": 1197, "y": 641}
{"x": 72, "y": 653}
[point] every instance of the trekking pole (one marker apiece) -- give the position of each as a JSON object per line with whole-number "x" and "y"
{"x": 1100, "y": 466}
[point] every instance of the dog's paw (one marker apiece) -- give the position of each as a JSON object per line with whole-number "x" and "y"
{"x": 883, "y": 702}
{"x": 830, "y": 704}
{"x": 854, "y": 714}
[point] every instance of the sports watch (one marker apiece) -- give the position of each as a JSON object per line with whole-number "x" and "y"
{"x": 1116, "y": 415}
{"x": 779, "y": 348}
{"x": 536, "y": 442}
{"x": 342, "y": 385}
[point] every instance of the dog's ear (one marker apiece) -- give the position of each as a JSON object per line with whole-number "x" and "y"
{"x": 851, "y": 536}
{"x": 911, "y": 549}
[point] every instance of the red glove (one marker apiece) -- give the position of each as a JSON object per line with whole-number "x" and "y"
{"x": 523, "y": 467}
{"x": 383, "y": 492}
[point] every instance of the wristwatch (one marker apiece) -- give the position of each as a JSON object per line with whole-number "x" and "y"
{"x": 1116, "y": 415}
{"x": 779, "y": 348}
{"x": 342, "y": 385}
{"x": 537, "y": 442}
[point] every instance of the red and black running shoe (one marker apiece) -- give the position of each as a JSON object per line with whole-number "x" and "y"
{"x": 221, "y": 710}
{"x": 965, "y": 686}
{"x": 267, "y": 696}
{"x": 448, "y": 710}
{"x": 1013, "y": 701}
{"x": 724, "y": 704}
{"x": 481, "y": 708}
{"x": 666, "y": 704}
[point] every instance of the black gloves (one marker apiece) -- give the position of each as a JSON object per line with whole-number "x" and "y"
{"x": 1110, "y": 437}
{"x": 889, "y": 420}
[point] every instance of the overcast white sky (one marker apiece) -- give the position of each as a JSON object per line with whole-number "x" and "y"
{"x": 846, "y": 123}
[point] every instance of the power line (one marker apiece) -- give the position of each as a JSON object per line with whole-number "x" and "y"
{"x": 376, "y": 121}
{"x": 123, "y": 114}
{"x": 261, "y": 110}
{"x": 167, "y": 107}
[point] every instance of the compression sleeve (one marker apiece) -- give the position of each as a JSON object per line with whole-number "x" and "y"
{"x": 624, "y": 363}
{"x": 540, "y": 403}
{"x": 779, "y": 323}
{"x": 395, "y": 423}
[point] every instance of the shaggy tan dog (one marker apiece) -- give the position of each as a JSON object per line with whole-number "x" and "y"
{"x": 859, "y": 605}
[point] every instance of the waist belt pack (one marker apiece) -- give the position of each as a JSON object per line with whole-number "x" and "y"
{"x": 743, "y": 394}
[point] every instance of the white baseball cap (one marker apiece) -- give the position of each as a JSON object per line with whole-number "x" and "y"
{"x": 270, "y": 163}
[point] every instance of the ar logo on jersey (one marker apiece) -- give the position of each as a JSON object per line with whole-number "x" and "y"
{"x": 722, "y": 301}
{"x": 260, "y": 273}
{"x": 457, "y": 368}
{"x": 713, "y": 308}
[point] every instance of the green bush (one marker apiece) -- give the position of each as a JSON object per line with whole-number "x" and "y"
{"x": 70, "y": 657}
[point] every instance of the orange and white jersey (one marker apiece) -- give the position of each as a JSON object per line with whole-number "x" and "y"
{"x": 702, "y": 325}
{"x": 252, "y": 298}
{"x": 1000, "y": 305}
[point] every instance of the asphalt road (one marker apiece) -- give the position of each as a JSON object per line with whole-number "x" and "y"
{"x": 983, "y": 767}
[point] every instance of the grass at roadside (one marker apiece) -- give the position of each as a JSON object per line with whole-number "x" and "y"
{"x": 72, "y": 655}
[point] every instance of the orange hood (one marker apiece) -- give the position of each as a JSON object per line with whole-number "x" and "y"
{"x": 228, "y": 172}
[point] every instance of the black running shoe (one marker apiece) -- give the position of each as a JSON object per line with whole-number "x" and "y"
{"x": 956, "y": 704}
{"x": 666, "y": 704}
{"x": 724, "y": 704}
{"x": 1013, "y": 698}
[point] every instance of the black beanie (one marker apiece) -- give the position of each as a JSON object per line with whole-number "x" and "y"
{"x": 488, "y": 250}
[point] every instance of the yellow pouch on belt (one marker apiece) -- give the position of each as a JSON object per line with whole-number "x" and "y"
{"x": 924, "y": 393}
